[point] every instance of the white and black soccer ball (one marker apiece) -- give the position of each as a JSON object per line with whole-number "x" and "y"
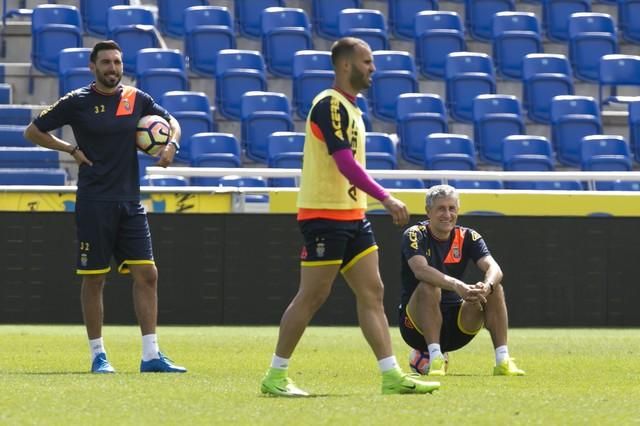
{"x": 419, "y": 361}
{"x": 152, "y": 134}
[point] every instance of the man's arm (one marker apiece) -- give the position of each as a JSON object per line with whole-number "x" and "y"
{"x": 358, "y": 176}
{"x": 169, "y": 151}
{"x": 47, "y": 140}
{"x": 334, "y": 134}
{"x": 427, "y": 274}
{"x": 492, "y": 273}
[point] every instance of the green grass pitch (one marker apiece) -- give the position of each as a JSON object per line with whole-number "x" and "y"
{"x": 574, "y": 376}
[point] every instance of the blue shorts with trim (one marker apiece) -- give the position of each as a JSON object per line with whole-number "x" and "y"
{"x": 334, "y": 242}
{"x": 451, "y": 336}
{"x": 107, "y": 229}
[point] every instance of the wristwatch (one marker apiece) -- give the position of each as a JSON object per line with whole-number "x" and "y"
{"x": 176, "y": 145}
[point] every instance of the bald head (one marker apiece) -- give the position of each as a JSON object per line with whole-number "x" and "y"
{"x": 353, "y": 63}
{"x": 345, "y": 48}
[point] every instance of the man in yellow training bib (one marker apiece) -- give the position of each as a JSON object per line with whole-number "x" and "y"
{"x": 337, "y": 236}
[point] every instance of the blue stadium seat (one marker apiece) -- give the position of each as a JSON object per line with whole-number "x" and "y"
{"x": 284, "y": 151}
{"x": 544, "y": 76}
{"x": 563, "y": 185}
{"x": 395, "y": 74}
{"x": 555, "y": 16}
{"x": 211, "y": 149}
{"x": 634, "y": 128}
{"x": 247, "y": 182}
{"x": 572, "y": 118}
{"x": 479, "y": 16}
{"x": 402, "y": 15}
{"x": 325, "y": 15}
{"x": 476, "y": 184}
{"x": 625, "y": 185}
{"x": 515, "y": 35}
{"x": 468, "y": 74}
{"x": 133, "y": 28}
{"x": 366, "y": 24}
{"x": 605, "y": 153}
{"x": 6, "y": 94}
{"x": 171, "y": 15}
{"x": 53, "y": 28}
{"x": 12, "y": 135}
{"x": 73, "y": 69}
{"x": 437, "y": 33}
{"x": 524, "y": 153}
{"x": 363, "y": 104}
{"x": 392, "y": 184}
{"x": 94, "y": 14}
{"x": 285, "y": 31}
{"x": 214, "y": 150}
{"x": 448, "y": 151}
{"x": 417, "y": 115}
{"x": 193, "y": 112}
{"x": 162, "y": 180}
{"x": 15, "y": 115}
{"x": 494, "y": 118}
{"x": 629, "y": 19}
{"x": 381, "y": 151}
{"x": 237, "y": 72}
{"x": 32, "y": 157}
{"x": 618, "y": 70}
{"x": 248, "y": 15}
{"x": 207, "y": 31}
{"x": 591, "y": 36}
{"x": 312, "y": 73}
{"x": 161, "y": 70}
{"x": 262, "y": 114}
{"x": 11, "y": 176}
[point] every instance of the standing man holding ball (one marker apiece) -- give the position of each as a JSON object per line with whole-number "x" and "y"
{"x": 110, "y": 221}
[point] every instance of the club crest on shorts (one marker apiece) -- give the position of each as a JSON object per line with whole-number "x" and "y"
{"x": 320, "y": 249}
{"x": 84, "y": 260}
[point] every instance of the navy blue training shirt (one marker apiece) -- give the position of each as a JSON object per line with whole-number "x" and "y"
{"x": 104, "y": 126}
{"x": 449, "y": 257}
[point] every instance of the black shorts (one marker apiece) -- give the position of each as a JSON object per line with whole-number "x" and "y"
{"x": 452, "y": 337}
{"x": 107, "y": 229}
{"x": 334, "y": 242}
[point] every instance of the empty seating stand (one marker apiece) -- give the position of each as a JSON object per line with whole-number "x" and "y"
{"x": 15, "y": 176}
{"x": 402, "y": 15}
{"x": 208, "y": 30}
{"x": 53, "y": 28}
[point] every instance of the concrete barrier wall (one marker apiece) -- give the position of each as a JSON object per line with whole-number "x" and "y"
{"x": 243, "y": 269}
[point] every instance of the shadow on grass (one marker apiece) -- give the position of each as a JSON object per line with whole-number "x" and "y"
{"x": 316, "y": 395}
{"x": 461, "y": 375}
{"x": 64, "y": 373}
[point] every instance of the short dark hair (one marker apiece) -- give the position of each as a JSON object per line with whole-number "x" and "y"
{"x": 103, "y": 45}
{"x": 344, "y": 47}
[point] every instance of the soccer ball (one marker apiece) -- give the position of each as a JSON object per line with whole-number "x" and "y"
{"x": 419, "y": 361}
{"x": 152, "y": 134}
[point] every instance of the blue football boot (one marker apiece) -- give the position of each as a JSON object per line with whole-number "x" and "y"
{"x": 100, "y": 365}
{"x": 160, "y": 365}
